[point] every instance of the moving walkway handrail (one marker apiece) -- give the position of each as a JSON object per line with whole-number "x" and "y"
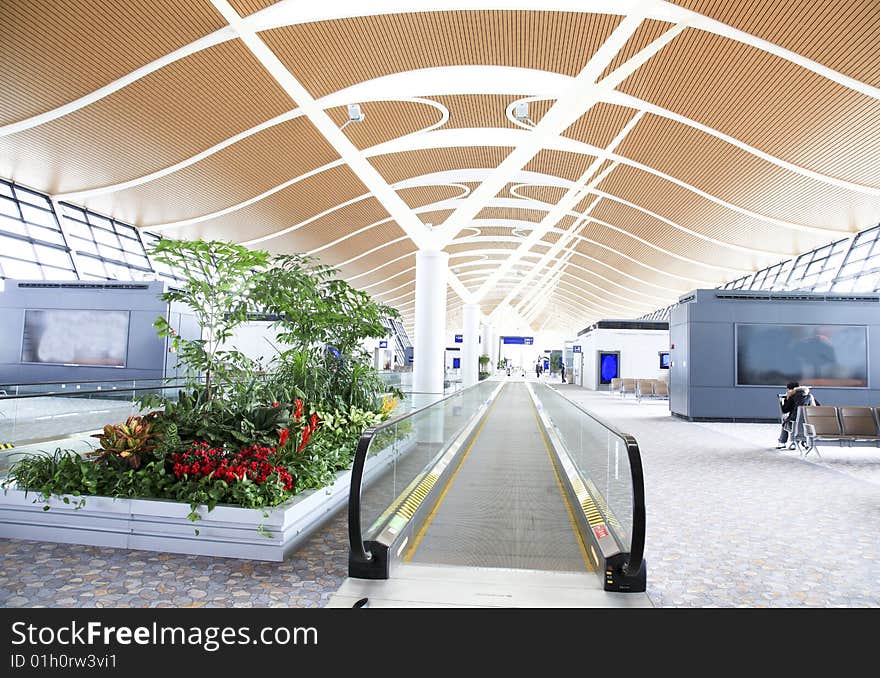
{"x": 89, "y": 381}
{"x": 637, "y": 541}
{"x": 104, "y": 391}
{"x": 357, "y": 547}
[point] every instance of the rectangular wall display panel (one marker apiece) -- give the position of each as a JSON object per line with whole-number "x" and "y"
{"x": 817, "y": 355}
{"x": 75, "y": 337}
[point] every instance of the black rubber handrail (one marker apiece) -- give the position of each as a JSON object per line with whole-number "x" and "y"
{"x": 637, "y": 542}
{"x": 358, "y": 549}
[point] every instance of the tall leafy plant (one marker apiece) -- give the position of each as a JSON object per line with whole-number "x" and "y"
{"x": 221, "y": 284}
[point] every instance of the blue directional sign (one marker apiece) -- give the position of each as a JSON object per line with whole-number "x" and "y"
{"x": 527, "y": 341}
{"x": 575, "y": 349}
{"x": 383, "y": 343}
{"x": 459, "y": 339}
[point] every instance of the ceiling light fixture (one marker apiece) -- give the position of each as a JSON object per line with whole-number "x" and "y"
{"x": 521, "y": 113}
{"x": 354, "y": 115}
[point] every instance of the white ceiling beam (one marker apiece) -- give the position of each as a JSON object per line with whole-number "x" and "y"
{"x": 571, "y": 105}
{"x": 418, "y": 232}
{"x": 574, "y": 195}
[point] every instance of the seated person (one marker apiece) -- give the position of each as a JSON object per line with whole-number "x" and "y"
{"x": 795, "y": 396}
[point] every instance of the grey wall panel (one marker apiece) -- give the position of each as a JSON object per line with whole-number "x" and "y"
{"x": 703, "y": 378}
{"x": 145, "y": 357}
{"x": 705, "y": 368}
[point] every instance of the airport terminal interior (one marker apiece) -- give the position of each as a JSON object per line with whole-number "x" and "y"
{"x": 402, "y": 304}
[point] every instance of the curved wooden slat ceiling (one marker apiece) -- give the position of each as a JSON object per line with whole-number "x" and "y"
{"x": 753, "y": 135}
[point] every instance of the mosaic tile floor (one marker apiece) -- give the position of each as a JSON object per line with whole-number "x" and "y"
{"x": 732, "y": 522}
{"x": 38, "y": 574}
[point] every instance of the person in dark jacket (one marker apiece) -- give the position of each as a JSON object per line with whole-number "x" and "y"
{"x": 795, "y": 397}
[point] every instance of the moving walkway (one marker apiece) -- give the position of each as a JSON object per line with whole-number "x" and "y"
{"x": 500, "y": 475}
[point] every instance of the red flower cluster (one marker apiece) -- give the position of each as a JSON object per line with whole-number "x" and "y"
{"x": 201, "y": 460}
{"x": 297, "y": 409}
{"x": 310, "y": 428}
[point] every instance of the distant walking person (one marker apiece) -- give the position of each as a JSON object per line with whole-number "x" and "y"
{"x": 562, "y": 368}
{"x": 796, "y": 396}
{"x": 538, "y": 370}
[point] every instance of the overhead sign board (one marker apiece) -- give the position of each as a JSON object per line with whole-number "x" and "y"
{"x": 383, "y": 343}
{"x": 459, "y": 338}
{"x": 575, "y": 349}
{"x": 527, "y": 341}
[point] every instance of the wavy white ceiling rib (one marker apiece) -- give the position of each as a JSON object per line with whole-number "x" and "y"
{"x": 416, "y": 86}
{"x": 291, "y": 12}
{"x": 469, "y": 137}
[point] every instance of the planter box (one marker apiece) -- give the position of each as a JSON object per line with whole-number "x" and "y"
{"x": 162, "y": 525}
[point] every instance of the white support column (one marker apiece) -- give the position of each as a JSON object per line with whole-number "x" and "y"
{"x": 470, "y": 347}
{"x": 486, "y": 346}
{"x": 429, "y": 342}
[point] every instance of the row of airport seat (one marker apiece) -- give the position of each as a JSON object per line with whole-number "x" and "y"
{"x": 640, "y": 388}
{"x": 843, "y": 426}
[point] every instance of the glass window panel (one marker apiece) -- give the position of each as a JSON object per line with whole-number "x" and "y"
{"x": 13, "y": 246}
{"x": 866, "y": 283}
{"x": 52, "y": 256}
{"x": 45, "y": 235}
{"x": 98, "y": 220}
{"x": 77, "y": 228}
{"x": 125, "y": 230}
{"x": 136, "y": 260}
{"x": 38, "y": 216}
{"x": 9, "y": 207}
{"x": 33, "y": 198}
{"x": 81, "y": 245}
{"x": 21, "y": 270}
{"x": 74, "y": 212}
{"x": 105, "y": 237}
{"x": 6, "y": 189}
{"x": 851, "y": 269}
{"x": 58, "y": 273}
{"x": 12, "y": 225}
{"x": 843, "y": 286}
{"x": 109, "y": 252}
{"x": 118, "y": 272}
{"x": 833, "y": 262}
{"x": 90, "y": 266}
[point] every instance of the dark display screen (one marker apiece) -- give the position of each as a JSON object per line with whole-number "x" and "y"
{"x": 664, "y": 360}
{"x": 609, "y": 366}
{"x": 813, "y": 355}
{"x": 86, "y": 337}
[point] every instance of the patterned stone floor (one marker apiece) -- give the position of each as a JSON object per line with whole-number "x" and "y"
{"x": 37, "y": 574}
{"x": 731, "y": 522}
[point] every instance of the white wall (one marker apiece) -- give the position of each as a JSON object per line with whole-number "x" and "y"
{"x": 639, "y": 353}
{"x": 255, "y": 340}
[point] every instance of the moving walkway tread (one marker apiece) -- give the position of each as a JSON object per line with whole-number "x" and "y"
{"x": 504, "y": 506}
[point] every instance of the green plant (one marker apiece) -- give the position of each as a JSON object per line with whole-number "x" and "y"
{"x": 127, "y": 444}
{"x": 220, "y": 285}
{"x": 484, "y": 360}
{"x": 484, "y": 375}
